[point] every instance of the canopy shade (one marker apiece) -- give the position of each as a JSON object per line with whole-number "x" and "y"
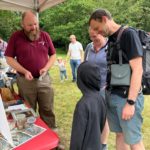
{"x": 23, "y": 5}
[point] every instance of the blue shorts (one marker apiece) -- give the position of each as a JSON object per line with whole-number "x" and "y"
{"x": 131, "y": 129}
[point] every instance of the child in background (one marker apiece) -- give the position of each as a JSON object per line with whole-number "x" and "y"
{"x": 62, "y": 68}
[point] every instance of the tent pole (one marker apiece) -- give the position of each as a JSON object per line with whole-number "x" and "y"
{"x": 37, "y": 15}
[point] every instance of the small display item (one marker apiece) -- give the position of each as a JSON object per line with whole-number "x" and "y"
{"x": 27, "y": 112}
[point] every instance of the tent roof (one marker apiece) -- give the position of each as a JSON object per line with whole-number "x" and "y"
{"x": 23, "y": 5}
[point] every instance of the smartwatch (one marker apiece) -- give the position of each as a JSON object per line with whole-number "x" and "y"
{"x": 130, "y": 101}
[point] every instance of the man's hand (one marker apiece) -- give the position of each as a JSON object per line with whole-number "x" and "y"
{"x": 43, "y": 71}
{"x": 28, "y": 75}
{"x": 128, "y": 111}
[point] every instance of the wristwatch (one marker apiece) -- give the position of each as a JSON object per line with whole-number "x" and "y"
{"x": 130, "y": 101}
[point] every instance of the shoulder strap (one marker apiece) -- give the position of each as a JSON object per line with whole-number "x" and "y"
{"x": 118, "y": 43}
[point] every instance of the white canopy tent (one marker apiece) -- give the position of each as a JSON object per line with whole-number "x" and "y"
{"x": 23, "y": 5}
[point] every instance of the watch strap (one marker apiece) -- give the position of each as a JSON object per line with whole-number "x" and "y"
{"x": 130, "y": 101}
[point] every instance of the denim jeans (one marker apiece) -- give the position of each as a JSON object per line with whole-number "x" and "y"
{"x": 74, "y": 63}
{"x": 63, "y": 74}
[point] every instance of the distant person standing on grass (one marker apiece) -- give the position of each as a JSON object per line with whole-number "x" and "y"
{"x": 62, "y": 68}
{"x": 75, "y": 53}
{"x": 35, "y": 55}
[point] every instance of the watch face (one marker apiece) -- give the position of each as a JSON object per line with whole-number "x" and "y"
{"x": 131, "y": 102}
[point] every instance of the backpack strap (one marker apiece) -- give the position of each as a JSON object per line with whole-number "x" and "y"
{"x": 118, "y": 44}
{"x": 120, "y": 33}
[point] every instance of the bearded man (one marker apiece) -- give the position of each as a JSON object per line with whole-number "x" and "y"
{"x": 31, "y": 52}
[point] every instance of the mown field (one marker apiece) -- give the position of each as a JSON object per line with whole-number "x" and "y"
{"x": 66, "y": 97}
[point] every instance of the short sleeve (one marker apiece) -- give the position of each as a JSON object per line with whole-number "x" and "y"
{"x": 80, "y": 46}
{"x": 10, "y": 50}
{"x": 131, "y": 44}
{"x": 51, "y": 49}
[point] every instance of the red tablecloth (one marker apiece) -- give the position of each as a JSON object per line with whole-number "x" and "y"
{"x": 47, "y": 140}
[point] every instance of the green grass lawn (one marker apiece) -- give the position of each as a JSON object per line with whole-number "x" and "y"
{"x": 66, "y": 97}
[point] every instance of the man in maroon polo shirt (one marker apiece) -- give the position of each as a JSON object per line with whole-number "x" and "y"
{"x": 31, "y": 52}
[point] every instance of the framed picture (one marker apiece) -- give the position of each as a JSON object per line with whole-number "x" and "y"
{"x": 34, "y": 130}
{"x": 20, "y": 138}
{"x": 27, "y": 112}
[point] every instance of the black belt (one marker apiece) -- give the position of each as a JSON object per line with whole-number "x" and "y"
{"x": 122, "y": 91}
{"x": 35, "y": 77}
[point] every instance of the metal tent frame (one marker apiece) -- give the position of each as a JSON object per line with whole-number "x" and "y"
{"x": 24, "y": 5}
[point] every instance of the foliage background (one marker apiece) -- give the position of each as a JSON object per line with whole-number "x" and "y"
{"x": 71, "y": 17}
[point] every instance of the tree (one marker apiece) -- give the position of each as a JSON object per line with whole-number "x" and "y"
{"x": 69, "y": 18}
{"x": 145, "y": 15}
{"x": 9, "y": 22}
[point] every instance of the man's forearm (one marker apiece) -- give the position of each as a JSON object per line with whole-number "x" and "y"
{"x": 68, "y": 55}
{"x": 14, "y": 64}
{"x": 50, "y": 62}
{"x": 136, "y": 79}
{"x": 82, "y": 55}
{"x": 135, "y": 86}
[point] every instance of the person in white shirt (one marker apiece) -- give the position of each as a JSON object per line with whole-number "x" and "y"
{"x": 75, "y": 53}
